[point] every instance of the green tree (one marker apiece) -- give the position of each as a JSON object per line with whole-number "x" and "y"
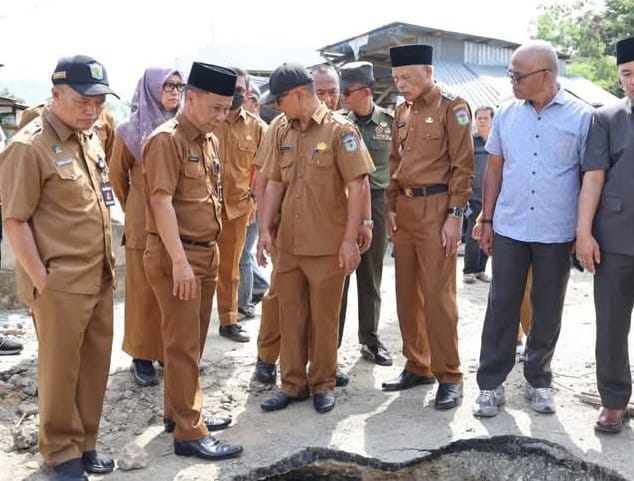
{"x": 588, "y": 34}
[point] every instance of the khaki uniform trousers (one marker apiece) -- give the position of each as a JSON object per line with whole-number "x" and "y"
{"x": 184, "y": 327}
{"x": 309, "y": 290}
{"x": 74, "y": 333}
{"x": 142, "y": 333}
{"x": 526, "y": 310}
{"x": 425, "y": 274}
{"x": 230, "y": 244}
{"x": 269, "y": 332}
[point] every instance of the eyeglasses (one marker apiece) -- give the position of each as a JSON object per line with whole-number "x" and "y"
{"x": 170, "y": 87}
{"x": 330, "y": 93}
{"x": 517, "y": 77}
{"x": 349, "y": 92}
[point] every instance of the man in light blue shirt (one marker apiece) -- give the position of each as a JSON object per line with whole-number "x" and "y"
{"x": 531, "y": 188}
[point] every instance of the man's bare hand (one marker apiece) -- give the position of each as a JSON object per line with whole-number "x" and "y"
{"x": 588, "y": 252}
{"x": 365, "y": 239}
{"x": 486, "y": 238}
{"x": 391, "y": 224}
{"x": 451, "y": 233}
{"x": 185, "y": 284}
{"x": 265, "y": 245}
{"x": 349, "y": 256}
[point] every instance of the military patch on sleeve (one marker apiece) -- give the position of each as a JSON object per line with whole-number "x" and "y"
{"x": 350, "y": 142}
{"x": 462, "y": 116}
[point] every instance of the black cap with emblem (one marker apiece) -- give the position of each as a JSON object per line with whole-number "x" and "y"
{"x": 353, "y": 72}
{"x": 415, "y": 54}
{"x": 625, "y": 50}
{"x": 83, "y": 74}
{"x": 284, "y": 78}
{"x": 212, "y": 78}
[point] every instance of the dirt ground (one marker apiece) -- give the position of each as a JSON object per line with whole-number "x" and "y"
{"x": 388, "y": 426}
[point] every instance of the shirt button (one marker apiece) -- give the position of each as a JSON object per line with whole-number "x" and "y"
{"x": 537, "y": 136}
{"x": 532, "y": 191}
{"x": 539, "y": 118}
{"x": 532, "y": 208}
{"x": 535, "y": 153}
{"x": 533, "y": 172}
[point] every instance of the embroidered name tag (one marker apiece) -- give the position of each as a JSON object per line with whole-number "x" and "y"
{"x": 193, "y": 159}
{"x": 63, "y": 162}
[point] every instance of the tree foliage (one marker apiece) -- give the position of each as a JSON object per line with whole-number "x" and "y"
{"x": 588, "y": 34}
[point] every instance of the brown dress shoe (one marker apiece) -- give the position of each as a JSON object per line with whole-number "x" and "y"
{"x": 611, "y": 420}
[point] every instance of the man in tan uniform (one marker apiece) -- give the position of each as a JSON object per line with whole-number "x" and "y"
{"x": 181, "y": 172}
{"x": 431, "y": 167}
{"x": 317, "y": 174}
{"x": 239, "y": 137}
{"x": 56, "y": 198}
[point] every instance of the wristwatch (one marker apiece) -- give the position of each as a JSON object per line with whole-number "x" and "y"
{"x": 456, "y": 211}
{"x": 368, "y": 223}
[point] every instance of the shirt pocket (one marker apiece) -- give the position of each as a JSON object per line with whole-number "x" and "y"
{"x": 320, "y": 166}
{"x": 194, "y": 180}
{"x": 286, "y": 167}
{"x": 74, "y": 185}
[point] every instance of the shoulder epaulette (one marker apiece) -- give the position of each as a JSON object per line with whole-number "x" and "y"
{"x": 448, "y": 94}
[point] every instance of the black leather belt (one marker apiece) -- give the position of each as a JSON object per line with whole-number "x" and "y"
{"x": 423, "y": 191}
{"x": 192, "y": 242}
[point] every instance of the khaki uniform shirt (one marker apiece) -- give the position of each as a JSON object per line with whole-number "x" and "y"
{"x": 315, "y": 167}
{"x": 377, "y": 135}
{"x": 269, "y": 142}
{"x": 50, "y": 177}
{"x": 104, "y": 126}
{"x": 239, "y": 140}
{"x": 127, "y": 183}
{"x": 432, "y": 144}
{"x": 181, "y": 161}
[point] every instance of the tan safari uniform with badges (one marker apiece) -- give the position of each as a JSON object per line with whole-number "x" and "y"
{"x": 269, "y": 332}
{"x": 315, "y": 166}
{"x": 55, "y": 179}
{"x": 142, "y": 335}
{"x": 432, "y": 148}
{"x": 180, "y": 160}
{"x": 238, "y": 142}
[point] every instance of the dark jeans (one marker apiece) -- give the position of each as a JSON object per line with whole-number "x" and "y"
{"x": 613, "y": 302}
{"x": 369, "y": 274}
{"x": 251, "y": 276}
{"x": 551, "y": 270}
{"x": 475, "y": 260}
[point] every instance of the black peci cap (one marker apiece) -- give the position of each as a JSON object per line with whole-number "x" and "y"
{"x": 212, "y": 78}
{"x": 415, "y": 54}
{"x": 284, "y": 78}
{"x": 353, "y": 72}
{"x": 83, "y": 74}
{"x": 625, "y": 50}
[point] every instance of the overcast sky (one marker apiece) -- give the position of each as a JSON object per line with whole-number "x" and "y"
{"x": 129, "y": 35}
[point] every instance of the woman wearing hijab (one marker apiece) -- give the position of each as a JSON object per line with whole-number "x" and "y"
{"x": 156, "y": 100}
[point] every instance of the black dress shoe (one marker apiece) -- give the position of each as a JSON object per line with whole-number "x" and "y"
{"x": 71, "y": 470}
{"x": 265, "y": 372}
{"x": 213, "y": 423}
{"x": 323, "y": 401}
{"x": 95, "y": 464}
{"x": 406, "y": 380}
{"x": 341, "y": 379}
{"x": 234, "y": 332}
{"x": 376, "y": 354}
{"x": 448, "y": 395}
{"x": 279, "y": 401}
{"x": 143, "y": 373}
{"x": 207, "y": 448}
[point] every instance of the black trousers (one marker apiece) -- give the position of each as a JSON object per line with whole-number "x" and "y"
{"x": 613, "y": 302}
{"x": 551, "y": 270}
{"x": 369, "y": 275}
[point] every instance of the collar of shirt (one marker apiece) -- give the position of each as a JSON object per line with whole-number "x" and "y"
{"x": 630, "y": 105}
{"x": 559, "y": 98}
{"x": 189, "y": 129}
{"x": 63, "y": 131}
{"x": 375, "y": 118}
{"x": 427, "y": 98}
{"x": 241, "y": 115}
{"x": 318, "y": 115}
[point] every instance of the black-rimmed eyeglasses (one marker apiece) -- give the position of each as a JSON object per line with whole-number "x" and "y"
{"x": 171, "y": 87}
{"x": 517, "y": 77}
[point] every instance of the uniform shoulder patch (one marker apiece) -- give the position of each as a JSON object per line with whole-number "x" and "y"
{"x": 462, "y": 115}
{"x": 350, "y": 142}
{"x": 448, "y": 94}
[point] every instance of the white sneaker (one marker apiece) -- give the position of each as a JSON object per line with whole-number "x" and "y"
{"x": 542, "y": 399}
{"x": 483, "y": 277}
{"x": 486, "y": 405}
{"x": 469, "y": 278}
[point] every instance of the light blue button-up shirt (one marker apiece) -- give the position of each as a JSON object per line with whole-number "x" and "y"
{"x": 541, "y": 173}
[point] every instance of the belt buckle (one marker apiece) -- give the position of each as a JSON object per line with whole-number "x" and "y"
{"x": 408, "y": 192}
